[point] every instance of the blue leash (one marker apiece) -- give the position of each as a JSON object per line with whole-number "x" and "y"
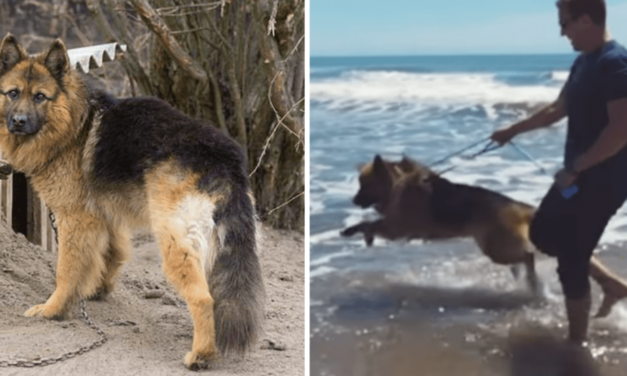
{"x": 439, "y": 161}
{"x": 489, "y": 147}
{"x": 567, "y": 192}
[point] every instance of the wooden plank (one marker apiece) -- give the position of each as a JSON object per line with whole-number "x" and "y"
{"x": 7, "y": 200}
{"x": 32, "y": 233}
{"x": 43, "y": 225}
{"x": 3, "y": 204}
{"x": 51, "y": 239}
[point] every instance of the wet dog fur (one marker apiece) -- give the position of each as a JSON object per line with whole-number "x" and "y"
{"x": 416, "y": 203}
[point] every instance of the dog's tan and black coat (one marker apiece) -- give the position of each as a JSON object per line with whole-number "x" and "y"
{"x": 417, "y": 203}
{"x": 105, "y": 166}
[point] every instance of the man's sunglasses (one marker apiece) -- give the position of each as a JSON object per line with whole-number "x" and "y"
{"x": 564, "y": 23}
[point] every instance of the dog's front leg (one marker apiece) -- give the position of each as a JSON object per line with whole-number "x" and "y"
{"x": 83, "y": 240}
{"x": 365, "y": 227}
{"x": 350, "y": 231}
{"x": 370, "y": 229}
{"x": 384, "y": 228}
{"x": 377, "y": 227}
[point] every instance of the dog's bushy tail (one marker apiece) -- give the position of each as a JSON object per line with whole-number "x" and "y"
{"x": 235, "y": 280}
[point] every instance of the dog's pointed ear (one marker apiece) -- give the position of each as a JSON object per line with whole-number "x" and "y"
{"x": 407, "y": 164}
{"x": 57, "y": 60}
{"x": 11, "y": 53}
{"x": 378, "y": 164}
{"x": 380, "y": 169}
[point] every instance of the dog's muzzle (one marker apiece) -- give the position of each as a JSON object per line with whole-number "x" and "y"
{"x": 21, "y": 125}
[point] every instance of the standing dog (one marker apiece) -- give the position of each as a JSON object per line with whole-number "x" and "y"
{"x": 416, "y": 203}
{"x": 105, "y": 166}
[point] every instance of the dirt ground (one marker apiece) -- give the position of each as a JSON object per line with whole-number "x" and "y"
{"x": 148, "y": 326}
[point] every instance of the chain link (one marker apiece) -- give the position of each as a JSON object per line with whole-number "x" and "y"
{"x": 69, "y": 355}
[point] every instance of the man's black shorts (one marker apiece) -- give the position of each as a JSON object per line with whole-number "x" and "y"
{"x": 570, "y": 229}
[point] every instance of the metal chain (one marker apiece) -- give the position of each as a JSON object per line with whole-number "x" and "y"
{"x": 66, "y": 356}
{"x": 69, "y": 355}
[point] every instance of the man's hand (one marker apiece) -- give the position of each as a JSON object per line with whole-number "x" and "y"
{"x": 503, "y": 135}
{"x": 564, "y": 178}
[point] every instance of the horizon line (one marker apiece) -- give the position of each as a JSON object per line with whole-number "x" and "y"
{"x": 446, "y": 54}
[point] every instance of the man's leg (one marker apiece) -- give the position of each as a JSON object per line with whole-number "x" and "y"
{"x": 570, "y": 230}
{"x": 614, "y": 287}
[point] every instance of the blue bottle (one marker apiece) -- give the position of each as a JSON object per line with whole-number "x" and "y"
{"x": 569, "y": 192}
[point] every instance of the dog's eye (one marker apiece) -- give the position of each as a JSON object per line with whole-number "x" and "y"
{"x": 39, "y": 97}
{"x": 13, "y": 94}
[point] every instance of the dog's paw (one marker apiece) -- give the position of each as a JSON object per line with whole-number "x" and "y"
{"x": 369, "y": 239}
{"x": 349, "y": 231}
{"x": 195, "y": 362}
{"x": 100, "y": 295}
{"x": 45, "y": 311}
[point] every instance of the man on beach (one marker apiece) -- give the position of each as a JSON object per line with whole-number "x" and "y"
{"x": 595, "y": 160}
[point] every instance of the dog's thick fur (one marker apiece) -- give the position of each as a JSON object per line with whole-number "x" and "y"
{"x": 105, "y": 166}
{"x": 416, "y": 203}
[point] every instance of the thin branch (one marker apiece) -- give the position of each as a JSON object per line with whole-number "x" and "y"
{"x": 287, "y": 202}
{"x": 177, "y": 7}
{"x": 173, "y": 14}
{"x": 81, "y": 36}
{"x": 219, "y": 34}
{"x": 275, "y": 66}
{"x": 295, "y": 48}
{"x": 272, "y": 21}
{"x": 265, "y": 146}
{"x": 190, "y": 30}
{"x": 131, "y": 62}
{"x": 171, "y": 45}
{"x": 240, "y": 124}
{"x": 275, "y": 110}
{"x": 218, "y": 101}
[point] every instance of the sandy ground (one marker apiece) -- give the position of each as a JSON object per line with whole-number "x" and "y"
{"x": 148, "y": 325}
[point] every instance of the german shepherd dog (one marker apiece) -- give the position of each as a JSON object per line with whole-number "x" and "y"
{"x": 416, "y": 203}
{"x": 105, "y": 166}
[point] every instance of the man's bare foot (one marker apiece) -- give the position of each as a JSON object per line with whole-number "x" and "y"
{"x": 613, "y": 292}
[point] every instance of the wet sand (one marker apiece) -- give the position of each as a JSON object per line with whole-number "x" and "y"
{"x": 370, "y": 323}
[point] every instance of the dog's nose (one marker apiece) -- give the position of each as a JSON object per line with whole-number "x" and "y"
{"x": 18, "y": 121}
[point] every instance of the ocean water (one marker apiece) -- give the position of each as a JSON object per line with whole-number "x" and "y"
{"x": 427, "y": 108}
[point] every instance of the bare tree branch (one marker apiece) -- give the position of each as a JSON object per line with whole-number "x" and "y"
{"x": 272, "y": 22}
{"x": 176, "y": 52}
{"x": 287, "y": 202}
{"x": 271, "y": 136}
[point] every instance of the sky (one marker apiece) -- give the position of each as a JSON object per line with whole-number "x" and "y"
{"x": 443, "y": 27}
